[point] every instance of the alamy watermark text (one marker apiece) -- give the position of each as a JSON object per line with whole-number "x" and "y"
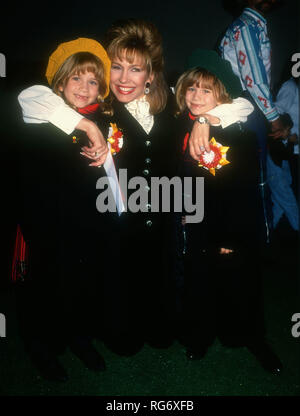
{"x": 296, "y": 66}
{"x": 2, "y": 326}
{"x": 163, "y": 195}
{"x": 2, "y": 66}
{"x": 296, "y": 326}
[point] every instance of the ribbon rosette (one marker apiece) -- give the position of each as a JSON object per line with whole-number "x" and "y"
{"x": 115, "y": 138}
{"x": 215, "y": 158}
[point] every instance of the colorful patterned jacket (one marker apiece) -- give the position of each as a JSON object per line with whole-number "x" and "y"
{"x": 247, "y": 46}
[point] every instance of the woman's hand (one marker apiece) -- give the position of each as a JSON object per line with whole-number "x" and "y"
{"x": 199, "y": 138}
{"x": 98, "y": 148}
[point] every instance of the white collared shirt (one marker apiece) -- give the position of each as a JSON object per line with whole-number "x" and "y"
{"x": 41, "y": 105}
{"x": 140, "y": 110}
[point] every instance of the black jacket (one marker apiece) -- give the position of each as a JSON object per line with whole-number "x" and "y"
{"x": 232, "y": 203}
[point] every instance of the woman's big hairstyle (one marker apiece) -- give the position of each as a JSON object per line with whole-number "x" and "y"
{"x": 128, "y": 39}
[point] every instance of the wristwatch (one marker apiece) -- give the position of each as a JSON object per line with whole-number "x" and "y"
{"x": 203, "y": 120}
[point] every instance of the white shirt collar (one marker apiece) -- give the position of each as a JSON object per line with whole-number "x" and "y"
{"x": 140, "y": 110}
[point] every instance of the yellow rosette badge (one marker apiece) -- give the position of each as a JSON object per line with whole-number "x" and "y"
{"x": 215, "y": 158}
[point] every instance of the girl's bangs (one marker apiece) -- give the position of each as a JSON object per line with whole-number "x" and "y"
{"x": 84, "y": 67}
{"x": 205, "y": 81}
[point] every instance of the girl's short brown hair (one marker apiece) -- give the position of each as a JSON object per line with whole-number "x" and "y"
{"x": 206, "y": 79}
{"x": 138, "y": 38}
{"x": 79, "y": 63}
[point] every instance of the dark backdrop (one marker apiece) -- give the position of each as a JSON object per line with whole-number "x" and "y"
{"x": 30, "y": 33}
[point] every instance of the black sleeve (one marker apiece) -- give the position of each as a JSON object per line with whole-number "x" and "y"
{"x": 238, "y": 189}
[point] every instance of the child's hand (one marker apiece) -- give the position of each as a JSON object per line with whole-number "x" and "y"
{"x": 98, "y": 148}
{"x": 199, "y": 140}
{"x": 225, "y": 250}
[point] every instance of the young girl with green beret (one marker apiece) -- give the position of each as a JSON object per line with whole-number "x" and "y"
{"x": 222, "y": 287}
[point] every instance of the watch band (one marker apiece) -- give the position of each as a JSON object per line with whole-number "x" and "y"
{"x": 203, "y": 120}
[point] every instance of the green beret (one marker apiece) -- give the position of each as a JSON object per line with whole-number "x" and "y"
{"x": 210, "y": 60}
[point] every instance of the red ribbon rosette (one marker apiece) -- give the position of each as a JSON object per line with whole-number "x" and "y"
{"x": 215, "y": 158}
{"x": 115, "y": 138}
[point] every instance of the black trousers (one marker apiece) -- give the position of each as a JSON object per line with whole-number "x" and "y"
{"x": 68, "y": 291}
{"x": 222, "y": 296}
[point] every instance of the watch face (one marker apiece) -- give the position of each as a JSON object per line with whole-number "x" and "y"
{"x": 202, "y": 120}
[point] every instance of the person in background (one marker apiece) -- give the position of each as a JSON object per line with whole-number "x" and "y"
{"x": 247, "y": 47}
{"x": 282, "y": 166}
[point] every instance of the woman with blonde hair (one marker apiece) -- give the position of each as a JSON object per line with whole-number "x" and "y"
{"x": 138, "y": 245}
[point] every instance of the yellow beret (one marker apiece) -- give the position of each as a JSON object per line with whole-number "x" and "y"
{"x": 66, "y": 49}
